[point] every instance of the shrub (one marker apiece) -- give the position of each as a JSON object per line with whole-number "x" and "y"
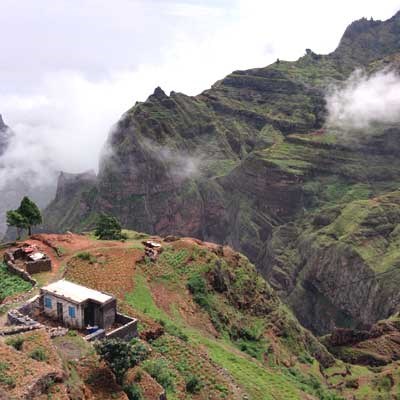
{"x": 16, "y": 342}
{"x": 198, "y": 287}
{"x": 38, "y": 354}
{"x": 84, "y": 256}
{"x": 160, "y": 371}
{"x": 193, "y": 384}
{"x": 133, "y": 391}
{"x": 109, "y": 228}
{"x": 4, "y": 377}
{"x": 138, "y": 376}
{"x": 117, "y": 355}
{"x": 173, "y": 330}
{"x": 139, "y": 352}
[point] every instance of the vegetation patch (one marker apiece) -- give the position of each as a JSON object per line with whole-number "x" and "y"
{"x": 5, "y": 378}
{"x": 39, "y": 354}
{"x": 11, "y": 284}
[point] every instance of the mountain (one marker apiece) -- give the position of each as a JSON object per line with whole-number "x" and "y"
{"x": 252, "y": 163}
{"x": 210, "y": 327}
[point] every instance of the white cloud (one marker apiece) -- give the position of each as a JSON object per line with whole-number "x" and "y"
{"x": 90, "y": 61}
{"x": 365, "y": 100}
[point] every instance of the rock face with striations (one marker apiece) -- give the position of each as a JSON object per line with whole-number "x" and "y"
{"x": 247, "y": 163}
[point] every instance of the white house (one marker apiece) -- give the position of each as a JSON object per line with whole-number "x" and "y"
{"x": 77, "y": 306}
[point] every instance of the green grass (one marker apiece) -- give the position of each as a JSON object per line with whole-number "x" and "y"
{"x": 258, "y": 381}
{"x": 39, "y": 354}
{"x": 5, "y": 378}
{"x": 141, "y": 299}
{"x": 11, "y": 284}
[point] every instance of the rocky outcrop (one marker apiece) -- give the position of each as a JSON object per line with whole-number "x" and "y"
{"x": 374, "y": 347}
{"x": 340, "y": 268}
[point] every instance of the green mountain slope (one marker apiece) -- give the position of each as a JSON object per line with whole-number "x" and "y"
{"x": 245, "y": 163}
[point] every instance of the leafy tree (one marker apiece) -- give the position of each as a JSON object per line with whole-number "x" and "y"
{"x": 30, "y": 211}
{"x": 14, "y": 218}
{"x": 108, "y": 228}
{"x": 116, "y": 353}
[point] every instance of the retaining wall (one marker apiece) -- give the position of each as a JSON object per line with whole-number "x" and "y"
{"x": 11, "y": 267}
{"x": 125, "y": 332}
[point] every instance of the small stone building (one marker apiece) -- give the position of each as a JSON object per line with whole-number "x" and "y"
{"x": 27, "y": 258}
{"x": 77, "y": 306}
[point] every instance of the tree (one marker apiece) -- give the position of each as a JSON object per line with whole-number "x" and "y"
{"x": 117, "y": 355}
{"x": 14, "y": 218}
{"x": 30, "y": 212}
{"x": 108, "y": 228}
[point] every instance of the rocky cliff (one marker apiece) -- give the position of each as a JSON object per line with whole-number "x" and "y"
{"x": 246, "y": 163}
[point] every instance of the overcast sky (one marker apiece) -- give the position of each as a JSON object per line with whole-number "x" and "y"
{"x": 70, "y": 68}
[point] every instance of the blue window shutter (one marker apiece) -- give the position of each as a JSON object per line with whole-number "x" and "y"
{"x": 71, "y": 311}
{"x": 47, "y": 302}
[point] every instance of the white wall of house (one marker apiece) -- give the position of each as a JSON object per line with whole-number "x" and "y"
{"x": 73, "y": 322}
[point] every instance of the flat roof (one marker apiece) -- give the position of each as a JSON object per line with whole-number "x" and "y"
{"x": 76, "y": 293}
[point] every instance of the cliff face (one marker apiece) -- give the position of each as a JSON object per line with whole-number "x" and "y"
{"x": 245, "y": 163}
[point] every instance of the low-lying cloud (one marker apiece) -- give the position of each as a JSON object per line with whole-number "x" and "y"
{"x": 364, "y": 101}
{"x": 180, "y": 164}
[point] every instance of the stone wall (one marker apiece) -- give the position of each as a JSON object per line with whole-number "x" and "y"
{"x": 15, "y": 317}
{"x": 34, "y": 267}
{"x": 127, "y": 331}
{"x": 12, "y": 267}
{"x": 31, "y": 267}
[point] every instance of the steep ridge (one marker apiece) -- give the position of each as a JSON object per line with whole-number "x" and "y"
{"x": 246, "y": 163}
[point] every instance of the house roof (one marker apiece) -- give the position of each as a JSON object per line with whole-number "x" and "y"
{"x": 76, "y": 293}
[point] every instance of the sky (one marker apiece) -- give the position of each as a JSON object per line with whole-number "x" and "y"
{"x": 70, "y": 68}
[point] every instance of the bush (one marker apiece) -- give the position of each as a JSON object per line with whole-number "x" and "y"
{"x": 173, "y": 330}
{"x": 198, "y": 287}
{"x": 193, "y": 384}
{"x": 109, "y": 228}
{"x": 4, "y": 377}
{"x": 86, "y": 256}
{"x": 16, "y": 342}
{"x": 117, "y": 354}
{"x": 139, "y": 352}
{"x": 160, "y": 371}
{"x": 133, "y": 392}
{"x": 38, "y": 354}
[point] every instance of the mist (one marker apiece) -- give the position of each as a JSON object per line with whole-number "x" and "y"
{"x": 181, "y": 165}
{"x": 365, "y": 101}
